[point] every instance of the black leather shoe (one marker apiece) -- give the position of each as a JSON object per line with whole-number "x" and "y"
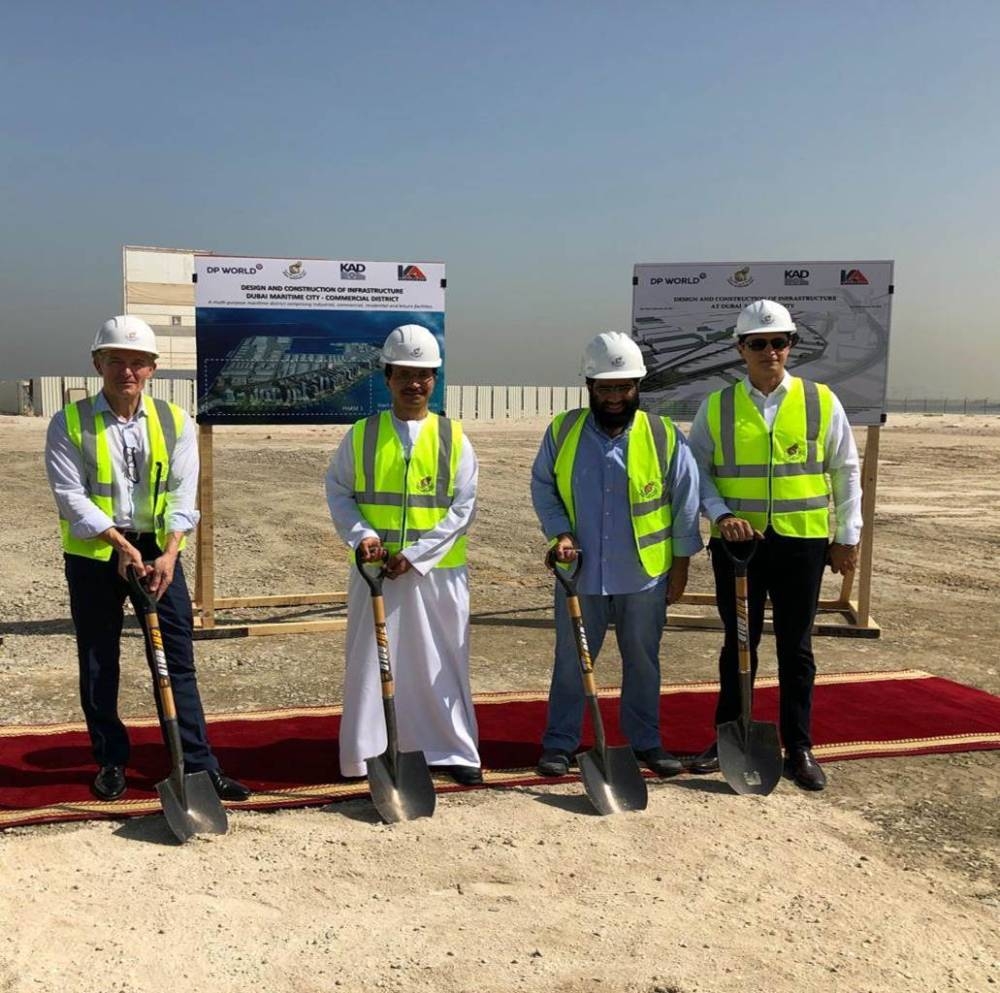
{"x": 662, "y": 763}
{"x": 806, "y": 772}
{"x": 226, "y": 788}
{"x": 464, "y": 775}
{"x": 554, "y": 762}
{"x": 706, "y": 763}
{"x": 109, "y": 783}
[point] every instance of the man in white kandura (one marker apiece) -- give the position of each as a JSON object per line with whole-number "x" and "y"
{"x": 404, "y": 482}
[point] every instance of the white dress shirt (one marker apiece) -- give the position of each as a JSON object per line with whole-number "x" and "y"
{"x": 130, "y": 503}
{"x": 840, "y": 459}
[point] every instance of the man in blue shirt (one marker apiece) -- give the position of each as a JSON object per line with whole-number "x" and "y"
{"x": 622, "y": 487}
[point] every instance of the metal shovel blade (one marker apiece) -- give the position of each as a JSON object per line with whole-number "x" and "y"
{"x": 401, "y": 786}
{"x": 191, "y": 805}
{"x": 751, "y": 760}
{"x": 613, "y": 780}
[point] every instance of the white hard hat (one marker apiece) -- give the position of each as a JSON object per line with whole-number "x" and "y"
{"x": 761, "y": 316}
{"x": 411, "y": 345}
{"x": 613, "y": 355}
{"x": 126, "y": 331}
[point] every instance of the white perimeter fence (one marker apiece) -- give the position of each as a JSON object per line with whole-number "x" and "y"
{"x": 47, "y": 394}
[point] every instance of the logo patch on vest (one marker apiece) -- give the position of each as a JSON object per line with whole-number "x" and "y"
{"x": 651, "y": 490}
{"x": 793, "y": 449}
{"x": 426, "y": 485}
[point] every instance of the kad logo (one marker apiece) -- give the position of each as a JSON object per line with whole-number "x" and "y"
{"x": 295, "y": 271}
{"x": 853, "y": 277}
{"x": 796, "y": 277}
{"x": 410, "y": 273}
{"x": 352, "y": 270}
{"x": 741, "y": 277}
{"x": 674, "y": 280}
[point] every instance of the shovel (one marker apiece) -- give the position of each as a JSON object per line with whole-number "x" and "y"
{"x": 400, "y": 782}
{"x": 190, "y": 803}
{"x": 749, "y": 751}
{"x": 611, "y": 776}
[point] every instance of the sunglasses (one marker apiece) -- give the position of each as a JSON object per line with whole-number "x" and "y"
{"x": 759, "y": 344}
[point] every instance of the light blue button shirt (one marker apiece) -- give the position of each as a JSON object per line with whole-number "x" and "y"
{"x": 611, "y": 562}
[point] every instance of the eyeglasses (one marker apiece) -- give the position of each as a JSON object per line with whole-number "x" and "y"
{"x": 132, "y": 464}
{"x": 613, "y": 390}
{"x": 413, "y": 375}
{"x": 759, "y": 344}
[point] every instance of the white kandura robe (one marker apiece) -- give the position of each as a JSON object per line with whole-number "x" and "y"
{"x": 427, "y": 622}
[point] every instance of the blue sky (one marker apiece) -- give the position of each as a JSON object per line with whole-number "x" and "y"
{"x": 539, "y": 149}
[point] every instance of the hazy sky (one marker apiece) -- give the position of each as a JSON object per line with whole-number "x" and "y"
{"x": 538, "y": 148}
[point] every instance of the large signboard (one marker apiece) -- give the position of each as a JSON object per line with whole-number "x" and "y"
{"x": 283, "y": 341}
{"x": 683, "y": 316}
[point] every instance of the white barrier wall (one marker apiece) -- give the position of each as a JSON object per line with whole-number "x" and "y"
{"x": 465, "y": 403}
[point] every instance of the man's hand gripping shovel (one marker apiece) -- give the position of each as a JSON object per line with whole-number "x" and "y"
{"x": 190, "y": 803}
{"x": 749, "y": 751}
{"x": 611, "y": 776}
{"x": 400, "y": 782}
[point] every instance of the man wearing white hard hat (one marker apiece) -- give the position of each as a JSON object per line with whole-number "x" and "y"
{"x": 403, "y": 482}
{"x": 766, "y": 447}
{"x": 620, "y": 487}
{"x": 123, "y": 468}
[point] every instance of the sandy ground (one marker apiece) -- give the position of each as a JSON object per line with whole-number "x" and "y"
{"x": 888, "y": 881}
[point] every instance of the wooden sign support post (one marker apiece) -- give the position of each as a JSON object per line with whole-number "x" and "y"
{"x": 857, "y": 620}
{"x": 205, "y": 601}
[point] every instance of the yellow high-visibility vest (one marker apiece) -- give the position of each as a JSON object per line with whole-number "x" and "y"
{"x": 650, "y": 450}
{"x": 774, "y": 477}
{"x": 88, "y": 430}
{"x": 404, "y": 499}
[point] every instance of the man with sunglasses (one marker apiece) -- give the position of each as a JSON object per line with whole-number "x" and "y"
{"x": 402, "y": 488}
{"x": 123, "y": 468}
{"x": 620, "y": 486}
{"x": 766, "y": 447}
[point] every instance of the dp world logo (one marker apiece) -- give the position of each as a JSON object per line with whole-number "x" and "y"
{"x": 295, "y": 271}
{"x": 352, "y": 270}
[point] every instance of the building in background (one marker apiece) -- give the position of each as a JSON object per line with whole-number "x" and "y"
{"x": 158, "y": 287}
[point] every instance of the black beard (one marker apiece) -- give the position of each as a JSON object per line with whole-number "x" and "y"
{"x": 619, "y": 419}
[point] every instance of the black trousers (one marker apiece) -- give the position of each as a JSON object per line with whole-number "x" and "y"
{"x": 790, "y": 571}
{"x": 97, "y": 596}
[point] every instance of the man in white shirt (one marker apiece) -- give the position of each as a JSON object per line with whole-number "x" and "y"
{"x": 124, "y": 473}
{"x": 402, "y": 485}
{"x": 765, "y": 447}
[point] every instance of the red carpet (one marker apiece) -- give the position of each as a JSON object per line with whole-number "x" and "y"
{"x": 291, "y": 756}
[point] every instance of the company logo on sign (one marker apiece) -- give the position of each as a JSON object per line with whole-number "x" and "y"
{"x": 410, "y": 273}
{"x": 853, "y": 277}
{"x": 741, "y": 277}
{"x": 295, "y": 271}
{"x": 352, "y": 270}
{"x": 796, "y": 277}
{"x": 675, "y": 280}
{"x": 235, "y": 270}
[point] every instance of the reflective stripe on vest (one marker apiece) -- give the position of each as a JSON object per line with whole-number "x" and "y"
{"x": 88, "y": 431}
{"x": 773, "y": 477}
{"x": 649, "y": 453}
{"x": 404, "y": 500}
